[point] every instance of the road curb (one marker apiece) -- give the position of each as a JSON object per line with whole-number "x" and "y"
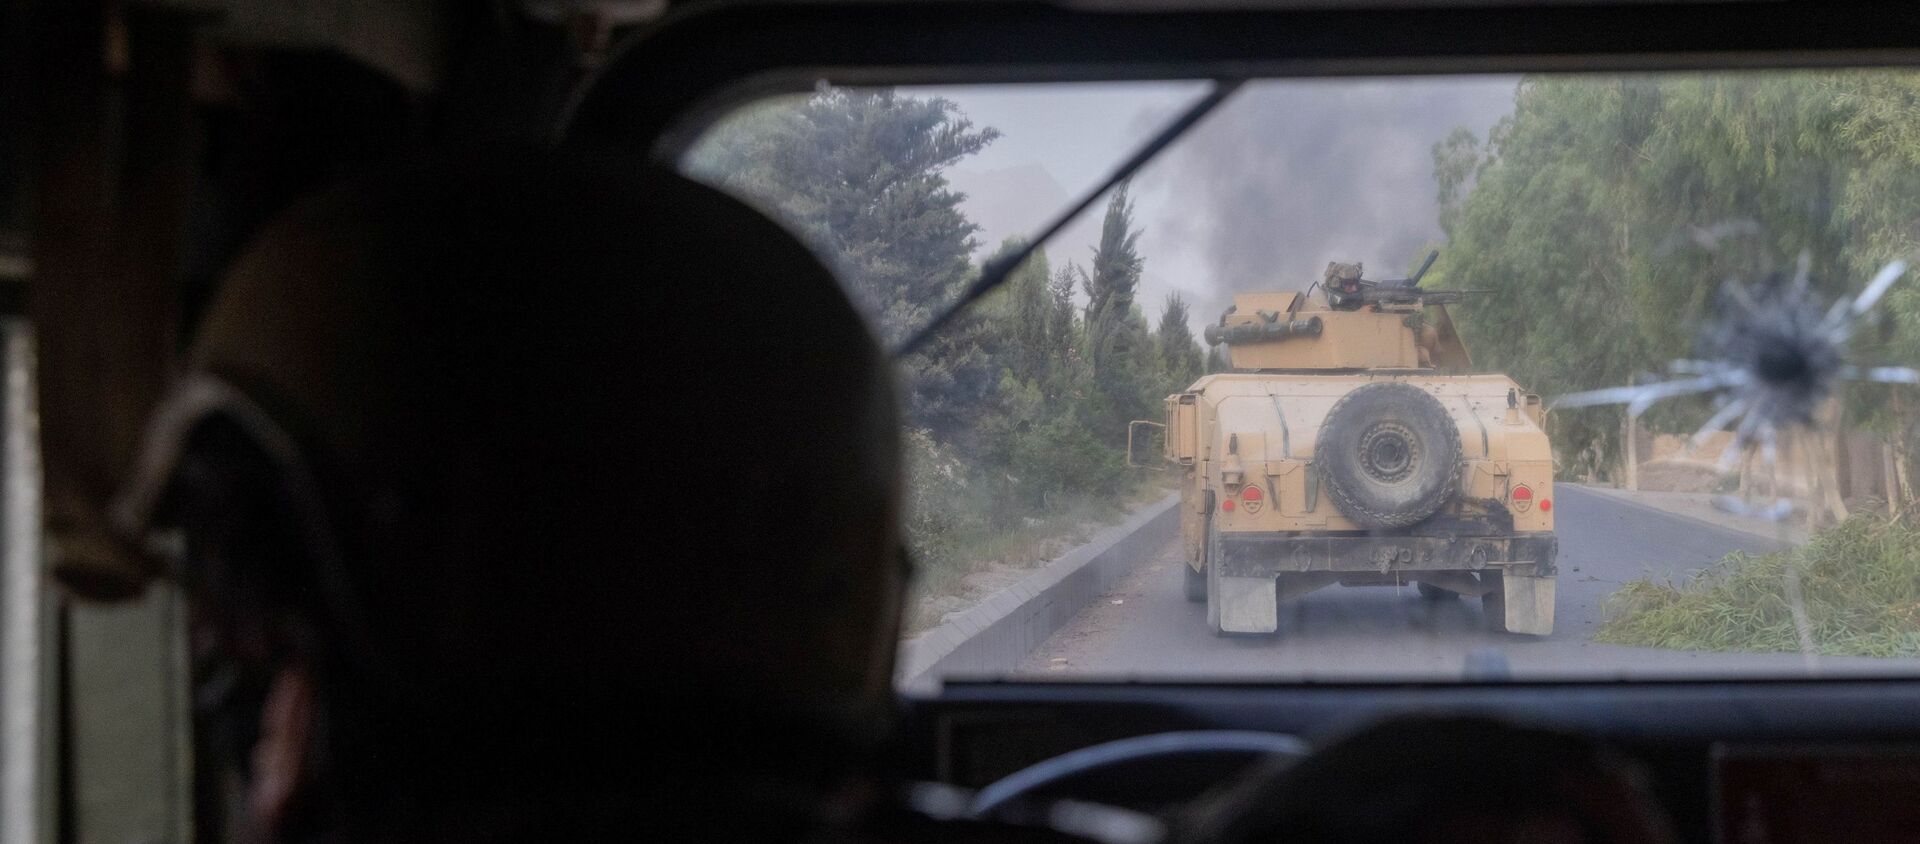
{"x": 994, "y": 636}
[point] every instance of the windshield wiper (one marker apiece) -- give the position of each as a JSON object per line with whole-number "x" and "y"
{"x": 997, "y": 270}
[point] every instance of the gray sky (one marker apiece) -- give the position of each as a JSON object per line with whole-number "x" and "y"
{"x": 1282, "y": 179}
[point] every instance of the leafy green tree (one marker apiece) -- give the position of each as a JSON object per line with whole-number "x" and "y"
{"x": 1180, "y": 356}
{"x": 1455, "y": 162}
{"x": 1019, "y": 405}
{"x": 1603, "y": 215}
{"x": 1216, "y": 361}
{"x": 1063, "y": 327}
{"x": 1541, "y": 233}
{"x": 1125, "y": 371}
{"x": 1115, "y": 278}
{"x": 1016, "y": 317}
{"x": 860, "y": 173}
{"x": 1024, "y": 309}
{"x": 1061, "y": 458}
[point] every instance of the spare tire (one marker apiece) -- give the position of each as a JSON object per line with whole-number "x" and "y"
{"x": 1388, "y": 454}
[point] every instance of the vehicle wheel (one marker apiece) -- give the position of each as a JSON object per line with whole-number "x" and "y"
{"x": 1493, "y": 604}
{"x": 1195, "y": 582}
{"x": 1434, "y": 593}
{"x": 1389, "y": 455}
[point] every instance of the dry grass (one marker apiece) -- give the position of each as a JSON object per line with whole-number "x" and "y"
{"x": 1860, "y": 592}
{"x": 1030, "y": 545}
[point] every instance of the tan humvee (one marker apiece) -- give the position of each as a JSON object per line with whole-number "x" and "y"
{"x": 1351, "y": 444}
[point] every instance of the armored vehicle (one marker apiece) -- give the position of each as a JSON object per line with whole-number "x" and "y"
{"x": 1352, "y": 444}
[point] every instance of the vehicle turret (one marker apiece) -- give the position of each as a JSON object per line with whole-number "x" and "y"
{"x": 1344, "y": 323}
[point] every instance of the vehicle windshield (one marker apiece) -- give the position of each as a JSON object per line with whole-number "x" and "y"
{"x": 1646, "y": 414}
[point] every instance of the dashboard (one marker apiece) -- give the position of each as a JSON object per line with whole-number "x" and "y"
{"x": 1745, "y": 761}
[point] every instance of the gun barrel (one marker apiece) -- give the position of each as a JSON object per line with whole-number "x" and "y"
{"x": 1432, "y": 256}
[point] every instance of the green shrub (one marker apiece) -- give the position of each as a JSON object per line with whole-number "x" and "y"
{"x": 1859, "y": 585}
{"x": 1060, "y": 460}
{"x": 934, "y": 527}
{"x": 961, "y": 517}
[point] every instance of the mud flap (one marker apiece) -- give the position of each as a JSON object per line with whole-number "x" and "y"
{"x": 1527, "y": 604}
{"x": 1247, "y": 604}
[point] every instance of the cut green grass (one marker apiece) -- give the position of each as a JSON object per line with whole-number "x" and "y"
{"x": 1859, "y": 586}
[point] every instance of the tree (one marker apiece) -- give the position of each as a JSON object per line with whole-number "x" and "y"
{"x": 1455, "y": 162}
{"x": 1118, "y": 344}
{"x": 1541, "y": 232}
{"x": 859, "y": 173}
{"x": 1062, "y": 326}
{"x": 1216, "y": 362}
{"x": 1110, "y": 287}
{"x": 1020, "y": 404}
{"x": 1180, "y": 357}
{"x": 1025, "y": 310}
{"x": 1603, "y": 215}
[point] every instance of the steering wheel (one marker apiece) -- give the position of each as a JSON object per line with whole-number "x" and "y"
{"x": 1091, "y": 761}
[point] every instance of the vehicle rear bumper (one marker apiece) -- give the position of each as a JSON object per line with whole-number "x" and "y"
{"x": 1273, "y": 554}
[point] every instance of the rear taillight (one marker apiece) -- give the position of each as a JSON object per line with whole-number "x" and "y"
{"x": 1522, "y": 498}
{"x": 1250, "y": 493}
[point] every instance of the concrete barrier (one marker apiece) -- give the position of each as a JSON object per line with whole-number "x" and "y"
{"x": 994, "y": 636}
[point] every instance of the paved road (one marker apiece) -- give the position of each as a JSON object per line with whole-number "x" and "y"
{"x": 1146, "y": 629}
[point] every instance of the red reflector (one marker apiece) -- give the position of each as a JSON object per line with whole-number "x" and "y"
{"x": 1521, "y": 493}
{"x": 1227, "y": 505}
{"x": 1250, "y": 492}
{"x": 1546, "y": 504}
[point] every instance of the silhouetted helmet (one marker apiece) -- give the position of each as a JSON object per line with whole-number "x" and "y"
{"x": 546, "y": 445}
